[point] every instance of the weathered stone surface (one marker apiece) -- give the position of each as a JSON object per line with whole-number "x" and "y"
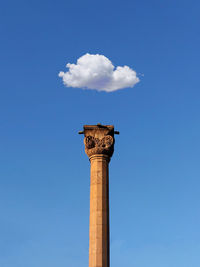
{"x": 99, "y": 212}
{"x": 99, "y": 146}
{"x": 99, "y": 140}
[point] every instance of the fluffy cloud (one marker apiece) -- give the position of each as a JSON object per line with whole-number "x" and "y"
{"x": 97, "y": 72}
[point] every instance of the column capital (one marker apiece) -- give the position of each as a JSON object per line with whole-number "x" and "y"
{"x": 99, "y": 139}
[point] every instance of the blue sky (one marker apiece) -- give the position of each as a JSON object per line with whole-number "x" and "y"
{"x": 154, "y": 172}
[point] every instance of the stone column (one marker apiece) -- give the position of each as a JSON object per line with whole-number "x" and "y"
{"x": 99, "y": 146}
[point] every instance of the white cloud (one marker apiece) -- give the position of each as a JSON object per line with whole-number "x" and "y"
{"x": 97, "y": 72}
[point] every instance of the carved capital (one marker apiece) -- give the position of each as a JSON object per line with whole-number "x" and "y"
{"x": 99, "y": 139}
{"x": 99, "y": 146}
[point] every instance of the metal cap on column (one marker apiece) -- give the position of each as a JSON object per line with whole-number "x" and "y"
{"x": 99, "y": 146}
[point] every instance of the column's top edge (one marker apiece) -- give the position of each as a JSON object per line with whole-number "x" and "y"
{"x": 98, "y": 127}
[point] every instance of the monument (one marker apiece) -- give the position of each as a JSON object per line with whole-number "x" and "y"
{"x": 99, "y": 147}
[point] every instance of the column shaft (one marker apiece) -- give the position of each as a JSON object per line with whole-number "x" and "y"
{"x": 99, "y": 212}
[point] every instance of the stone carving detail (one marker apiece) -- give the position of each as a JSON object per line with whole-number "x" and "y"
{"x": 99, "y": 146}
